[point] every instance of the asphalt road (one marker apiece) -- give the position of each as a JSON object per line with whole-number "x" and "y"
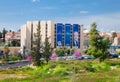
{"x": 15, "y": 64}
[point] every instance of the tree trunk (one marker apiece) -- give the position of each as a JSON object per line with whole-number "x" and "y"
{"x": 101, "y": 60}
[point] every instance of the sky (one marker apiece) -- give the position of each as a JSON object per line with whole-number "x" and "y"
{"x": 106, "y": 13}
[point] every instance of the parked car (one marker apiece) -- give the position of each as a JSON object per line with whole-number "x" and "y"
{"x": 60, "y": 58}
{"x": 90, "y": 57}
{"x": 86, "y": 57}
{"x": 118, "y": 56}
{"x": 113, "y": 55}
{"x": 81, "y": 58}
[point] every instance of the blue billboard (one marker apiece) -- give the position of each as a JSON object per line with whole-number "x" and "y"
{"x": 75, "y": 34}
{"x": 67, "y": 34}
{"x": 59, "y": 28}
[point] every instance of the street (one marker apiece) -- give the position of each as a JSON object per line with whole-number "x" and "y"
{"x": 15, "y": 64}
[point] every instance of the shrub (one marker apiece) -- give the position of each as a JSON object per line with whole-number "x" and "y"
{"x": 63, "y": 51}
{"x": 95, "y": 67}
{"x": 13, "y": 58}
{"x": 3, "y": 60}
{"x": 59, "y": 71}
{"x": 19, "y": 56}
{"x": 113, "y": 62}
{"x": 89, "y": 67}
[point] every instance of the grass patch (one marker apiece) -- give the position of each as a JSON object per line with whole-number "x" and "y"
{"x": 67, "y": 71}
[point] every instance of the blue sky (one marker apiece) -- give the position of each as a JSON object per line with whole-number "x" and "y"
{"x": 106, "y": 13}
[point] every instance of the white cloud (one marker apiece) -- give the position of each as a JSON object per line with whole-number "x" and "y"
{"x": 84, "y": 12}
{"x": 35, "y": 0}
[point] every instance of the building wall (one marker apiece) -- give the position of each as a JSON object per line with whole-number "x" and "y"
{"x": 30, "y": 28}
{"x": 81, "y": 39}
{"x": 50, "y": 32}
{"x": 13, "y": 50}
{"x": 35, "y": 25}
{"x": 43, "y": 30}
{"x": 29, "y": 34}
{"x": 116, "y": 41}
{"x": 23, "y": 36}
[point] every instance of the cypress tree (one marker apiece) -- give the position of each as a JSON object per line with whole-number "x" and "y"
{"x": 37, "y": 47}
{"x": 47, "y": 49}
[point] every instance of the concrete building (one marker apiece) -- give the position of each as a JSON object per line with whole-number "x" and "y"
{"x": 59, "y": 34}
{"x": 30, "y": 28}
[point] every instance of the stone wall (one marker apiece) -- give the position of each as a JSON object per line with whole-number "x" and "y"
{"x": 12, "y": 49}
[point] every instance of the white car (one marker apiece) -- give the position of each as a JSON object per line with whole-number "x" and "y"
{"x": 118, "y": 56}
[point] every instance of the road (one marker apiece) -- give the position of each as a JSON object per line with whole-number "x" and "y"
{"x": 15, "y": 64}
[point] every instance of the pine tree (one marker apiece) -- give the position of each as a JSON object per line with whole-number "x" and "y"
{"x": 47, "y": 49}
{"x": 0, "y": 35}
{"x": 37, "y": 47}
{"x": 98, "y": 45}
{"x": 4, "y": 32}
{"x": 6, "y": 51}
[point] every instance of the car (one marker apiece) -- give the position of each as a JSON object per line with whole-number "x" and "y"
{"x": 114, "y": 55}
{"x": 60, "y": 58}
{"x": 81, "y": 58}
{"x": 90, "y": 57}
{"x": 118, "y": 56}
{"x": 69, "y": 57}
{"x": 86, "y": 57}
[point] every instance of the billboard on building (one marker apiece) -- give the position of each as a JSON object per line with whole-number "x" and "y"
{"x": 75, "y": 34}
{"x": 67, "y": 34}
{"x": 59, "y": 28}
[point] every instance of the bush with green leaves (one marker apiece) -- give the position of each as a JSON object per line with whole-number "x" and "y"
{"x": 118, "y": 51}
{"x": 14, "y": 43}
{"x": 59, "y": 71}
{"x": 113, "y": 62}
{"x": 96, "y": 67}
{"x": 64, "y": 51}
{"x": 14, "y": 57}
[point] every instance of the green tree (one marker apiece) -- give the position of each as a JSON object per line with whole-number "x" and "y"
{"x": 24, "y": 49}
{"x": 62, "y": 51}
{"x": 98, "y": 45}
{"x": 0, "y": 34}
{"x": 118, "y": 51}
{"x": 6, "y": 51}
{"x": 10, "y": 30}
{"x": 4, "y": 32}
{"x": 15, "y": 43}
{"x": 37, "y": 47}
{"x": 47, "y": 49}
